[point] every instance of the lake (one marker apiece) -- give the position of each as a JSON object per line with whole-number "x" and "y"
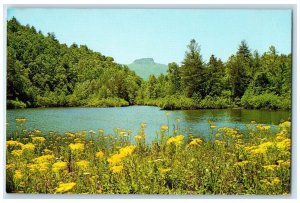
{"x": 78, "y": 119}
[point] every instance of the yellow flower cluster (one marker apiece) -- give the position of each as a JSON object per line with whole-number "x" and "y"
{"x": 17, "y": 152}
{"x": 45, "y": 158}
{"x": 219, "y": 142}
{"x": 116, "y": 159}
{"x": 59, "y": 166}
{"x": 123, "y": 153}
{"x": 100, "y": 154}
{"x": 242, "y": 163}
{"x": 116, "y": 169}
{"x": 163, "y": 128}
{"x": 76, "y": 147}
{"x": 228, "y": 132}
{"x": 28, "y": 147}
{"x": 274, "y": 181}
{"x": 260, "y": 149}
{"x": 128, "y": 150}
{"x": 270, "y": 167}
{"x": 263, "y": 127}
{"x": 285, "y": 125}
{"x": 177, "y": 140}
{"x": 38, "y": 167}
{"x": 279, "y": 137}
{"x": 65, "y": 187}
{"x": 83, "y": 165}
{"x": 70, "y": 134}
{"x": 18, "y": 175}
{"x": 196, "y": 141}
{"x": 13, "y": 143}
{"x": 38, "y": 139}
{"x": 283, "y": 163}
{"x": 284, "y": 144}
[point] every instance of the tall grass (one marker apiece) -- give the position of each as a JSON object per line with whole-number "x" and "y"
{"x": 253, "y": 162}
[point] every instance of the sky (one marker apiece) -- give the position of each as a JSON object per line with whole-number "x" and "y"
{"x": 162, "y": 34}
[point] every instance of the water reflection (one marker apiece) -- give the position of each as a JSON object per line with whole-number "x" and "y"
{"x": 77, "y": 119}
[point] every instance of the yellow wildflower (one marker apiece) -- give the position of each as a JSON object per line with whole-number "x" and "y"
{"x": 18, "y": 175}
{"x": 196, "y": 141}
{"x": 258, "y": 151}
{"x": 266, "y": 145}
{"x": 263, "y": 127}
{"x": 116, "y": 169}
{"x": 82, "y": 165}
{"x": 99, "y": 154}
{"x": 17, "y": 152}
{"x": 286, "y": 124}
{"x": 284, "y": 144}
{"x": 128, "y": 150}
{"x": 262, "y": 148}
{"x": 164, "y": 170}
{"x": 44, "y": 158}
{"x": 177, "y": 140}
{"x": 249, "y": 148}
{"x": 28, "y": 147}
{"x": 38, "y": 167}
{"x": 59, "y": 166}
{"x": 70, "y": 134}
{"x": 228, "y": 132}
{"x": 242, "y": 163}
{"x": 270, "y": 167}
{"x": 65, "y": 187}
{"x": 115, "y": 159}
{"x": 163, "y": 128}
{"x": 13, "y": 143}
{"x": 213, "y": 126}
{"x": 38, "y": 139}
{"x": 286, "y": 163}
{"x": 101, "y": 131}
{"x": 76, "y": 147}
{"x": 275, "y": 181}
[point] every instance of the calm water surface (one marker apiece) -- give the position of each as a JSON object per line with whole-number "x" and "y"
{"x": 78, "y": 119}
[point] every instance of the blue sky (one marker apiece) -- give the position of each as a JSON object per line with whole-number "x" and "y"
{"x": 163, "y": 34}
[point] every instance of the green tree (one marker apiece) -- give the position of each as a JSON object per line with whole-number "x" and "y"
{"x": 192, "y": 71}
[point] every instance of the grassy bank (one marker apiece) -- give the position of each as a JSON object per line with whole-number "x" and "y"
{"x": 227, "y": 162}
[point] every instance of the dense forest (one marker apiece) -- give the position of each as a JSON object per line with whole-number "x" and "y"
{"x": 41, "y": 72}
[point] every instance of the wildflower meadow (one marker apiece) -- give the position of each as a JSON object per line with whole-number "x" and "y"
{"x": 227, "y": 161}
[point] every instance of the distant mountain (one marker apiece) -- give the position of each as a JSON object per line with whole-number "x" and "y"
{"x": 144, "y": 67}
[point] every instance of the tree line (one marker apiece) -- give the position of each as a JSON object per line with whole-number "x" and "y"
{"x": 41, "y": 72}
